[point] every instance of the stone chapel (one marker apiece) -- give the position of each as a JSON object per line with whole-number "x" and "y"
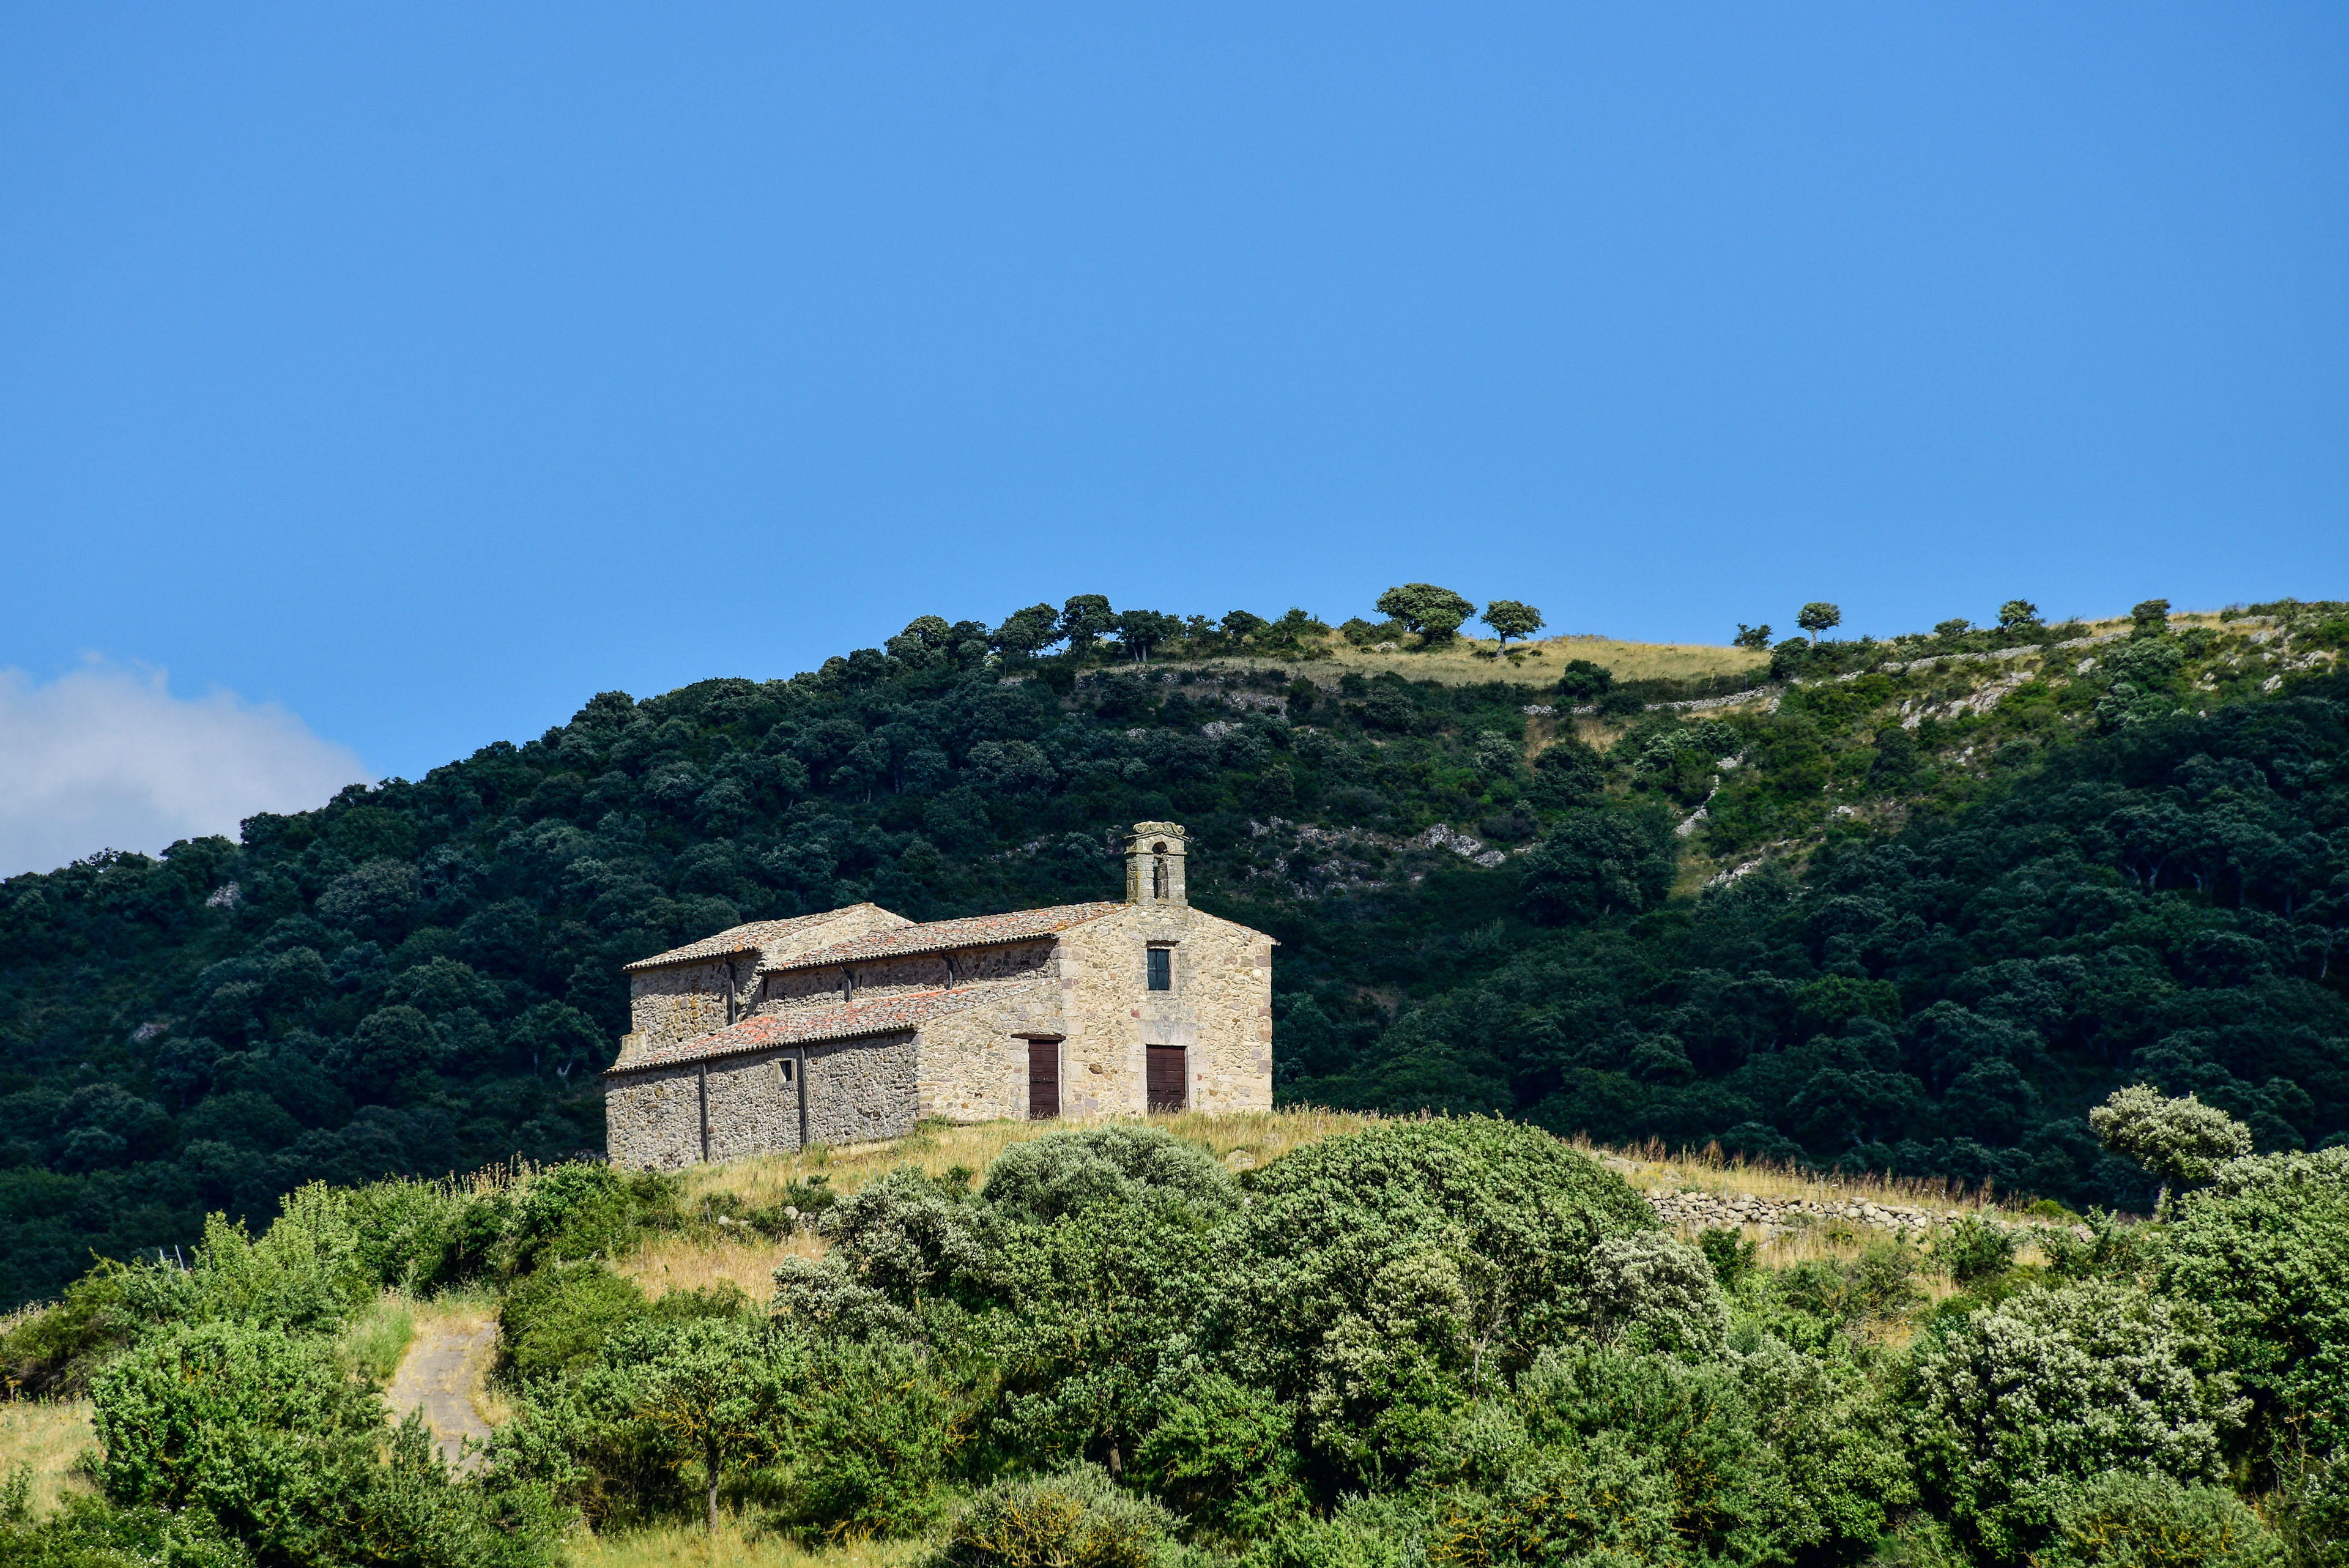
{"x": 853, "y": 1024}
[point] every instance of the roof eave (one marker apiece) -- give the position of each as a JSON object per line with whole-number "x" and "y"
{"x": 867, "y": 1032}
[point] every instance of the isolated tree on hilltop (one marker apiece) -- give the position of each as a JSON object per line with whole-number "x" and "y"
{"x": 1030, "y": 630}
{"x": 1817, "y": 617}
{"x": 1509, "y": 619}
{"x": 1754, "y": 637}
{"x": 1139, "y": 631}
{"x": 2151, "y": 619}
{"x": 1085, "y": 620}
{"x": 1434, "y": 613}
{"x": 2017, "y": 612}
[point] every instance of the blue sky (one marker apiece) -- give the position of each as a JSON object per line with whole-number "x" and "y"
{"x": 398, "y": 378}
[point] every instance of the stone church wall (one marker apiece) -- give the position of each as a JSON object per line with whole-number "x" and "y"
{"x": 914, "y": 973}
{"x": 856, "y": 1091}
{"x": 974, "y": 1064}
{"x": 1220, "y": 1011}
{"x": 681, "y": 1001}
{"x": 652, "y": 1119}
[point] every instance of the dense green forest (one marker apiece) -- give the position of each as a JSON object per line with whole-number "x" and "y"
{"x": 1914, "y": 909}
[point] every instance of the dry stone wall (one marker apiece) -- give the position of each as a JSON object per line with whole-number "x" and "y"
{"x": 1698, "y": 1209}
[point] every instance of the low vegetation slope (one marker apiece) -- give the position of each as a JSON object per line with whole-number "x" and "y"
{"x": 1910, "y": 906}
{"x": 1425, "y": 1340}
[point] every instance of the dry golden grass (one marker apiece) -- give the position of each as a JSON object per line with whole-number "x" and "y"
{"x": 46, "y": 1438}
{"x": 1241, "y": 1141}
{"x": 690, "y": 1262}
{"x": 1655, "y": 1168}
{"x": 1467, "y": 661}
{"x": 679, "y": 1546}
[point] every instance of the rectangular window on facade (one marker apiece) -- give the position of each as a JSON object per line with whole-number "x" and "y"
{"x": 1169, "y": 1083}
{"x": 784, "y": 1068}
{"x": 1161, "y": 969}
{"x": 1043, "y": 1080}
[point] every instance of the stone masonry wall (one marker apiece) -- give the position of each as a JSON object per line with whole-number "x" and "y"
{"x": 683, "y": 1000}
{"x": 678, "y": 1001}
{"x": 652, "y": 1119}
{"x": 973, "y": 1065}
{"x": 899, "y": 976}
{"x": 856, "y": 1091}
{"x": 860, "y": 1090}
{"x": 1220, "y": 1011}
{"x": 752, "y": 1109}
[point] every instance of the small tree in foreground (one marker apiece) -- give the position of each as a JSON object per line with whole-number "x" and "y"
{"x": 1433, "y": 612}
{"x": 718, "y": 1391}
{"x": 1509, "y": 619}
{"x": 1817, "y": 617}
{"x": 2181, "y": 1142}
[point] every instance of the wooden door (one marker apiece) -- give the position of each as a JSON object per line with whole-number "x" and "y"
{"x": 1043, "y": 1080}
{"x": 1169, "y": 1084}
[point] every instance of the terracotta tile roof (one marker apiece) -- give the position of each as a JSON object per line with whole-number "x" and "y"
{"x": 883, "y": 1015}
{"x": 940, "y": 936}
{"x": 756, "y": 937}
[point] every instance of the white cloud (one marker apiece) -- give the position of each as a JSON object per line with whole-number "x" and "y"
{"x": 107, "y": 758}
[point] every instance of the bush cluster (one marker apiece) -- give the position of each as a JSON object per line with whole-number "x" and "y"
{"x": 1440, "y": 1341}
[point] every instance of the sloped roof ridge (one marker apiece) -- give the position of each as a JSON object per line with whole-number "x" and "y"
{"x": 941, "y": 935}
{"x": 751, "y": 936}
{"x": 883, "y": 1015}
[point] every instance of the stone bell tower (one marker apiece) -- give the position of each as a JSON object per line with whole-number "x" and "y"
{"x": 1154, "y": 864}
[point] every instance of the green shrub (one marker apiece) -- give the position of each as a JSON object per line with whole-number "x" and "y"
{"x": 910, "y": 1237}
{"x": 2136, "y": 1521}
{"x": 1042, "y": 1178}
{"x": 1379, "y": 1279}
{"x": 1731, "y": 1255}
{"x": 874, "y": 1434}
{"x": 1076, "y": 1519}
{"x": 575, "y": 1212}
{"x": 1601, "y": 1502}
{"x": 261, "y": 1430}
{"x": 91, "y": 1533}
{"x": 1654, "y": 1291}
{"x": 2266, "y": 1252}
{"x": 303, "y": 1274}
{"x": 1218, "y": 1453}
{"x": 1360, "y": 1533}
{"x": 1097, "y": 1301}
{"x": 54, "y": 1352}
{"x": 555, "y": 1322}
{"x": 2012, "y": 1408}
{"x": 2310, "y": 1508}
{"x": 417, "y": 1236}
{"x": 1972, "y": 1250}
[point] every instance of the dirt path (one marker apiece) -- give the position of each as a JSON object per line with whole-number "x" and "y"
{"x": 439, "y": 1375}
